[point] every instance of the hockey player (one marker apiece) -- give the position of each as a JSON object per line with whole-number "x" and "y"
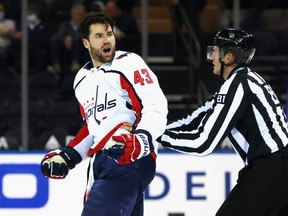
{"x": 246, "y": 110}
{"x": 114, "y": 90}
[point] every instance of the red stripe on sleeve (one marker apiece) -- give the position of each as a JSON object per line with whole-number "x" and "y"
{"x": 136, "y": 103}
{"x": 83, "y": 132}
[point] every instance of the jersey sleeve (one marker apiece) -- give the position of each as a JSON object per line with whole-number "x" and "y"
{"x": 191, "y": 121}
{"x": 213, "y": 126}
{"x": 146, "y": 96}
{"x": 82, "y": 141}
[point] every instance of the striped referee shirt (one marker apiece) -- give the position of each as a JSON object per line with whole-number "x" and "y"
{"x": 245, "y": 109}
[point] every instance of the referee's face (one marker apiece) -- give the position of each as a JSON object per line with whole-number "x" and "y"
{"x": 215, "y": 60}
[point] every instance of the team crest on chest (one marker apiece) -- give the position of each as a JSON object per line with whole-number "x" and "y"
{"x": 96, "y": 107}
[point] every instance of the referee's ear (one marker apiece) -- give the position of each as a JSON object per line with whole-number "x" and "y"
{"x": 229, "y": 58}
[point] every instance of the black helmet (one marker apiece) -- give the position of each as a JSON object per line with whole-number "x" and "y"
{"x": 239, "y": 42}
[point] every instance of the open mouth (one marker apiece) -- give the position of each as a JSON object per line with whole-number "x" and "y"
{"x": 107, "y": 49}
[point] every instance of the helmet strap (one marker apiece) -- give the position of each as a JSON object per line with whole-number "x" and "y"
{"x": 222, "y": 69}
{"x": 227, "y": 65}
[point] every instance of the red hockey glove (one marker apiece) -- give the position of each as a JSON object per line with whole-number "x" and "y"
{"x": 130, "y": 147}
{"x": 56, "y": 164}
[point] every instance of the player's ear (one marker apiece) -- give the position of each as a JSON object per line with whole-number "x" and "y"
{"x": 85, "y": 43}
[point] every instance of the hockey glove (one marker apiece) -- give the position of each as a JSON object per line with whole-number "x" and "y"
{"x": 130, "y": 147}
{"x": 56, "y": 164}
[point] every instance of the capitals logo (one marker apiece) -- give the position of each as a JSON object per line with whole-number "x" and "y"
{"x": 101, "y": 104}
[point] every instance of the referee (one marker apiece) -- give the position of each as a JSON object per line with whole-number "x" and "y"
{"x": 247, "y": 111}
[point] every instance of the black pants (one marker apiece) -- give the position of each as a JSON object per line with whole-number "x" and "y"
{"x": 261, "y": 189}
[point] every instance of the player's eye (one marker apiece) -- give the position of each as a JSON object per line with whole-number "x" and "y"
{"x": 98, "y": 36}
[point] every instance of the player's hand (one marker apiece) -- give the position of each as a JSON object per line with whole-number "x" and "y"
{"x": 56, "y": 164}
{"x": 129, "y": 147}
{"x": 127, "y": 126}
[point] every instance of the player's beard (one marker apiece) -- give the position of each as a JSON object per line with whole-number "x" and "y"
{"x": 97, "y": 54}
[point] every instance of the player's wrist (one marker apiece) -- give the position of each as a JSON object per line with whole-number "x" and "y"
{"x": 71, "y": 156}
{"x": 146, "y": 140}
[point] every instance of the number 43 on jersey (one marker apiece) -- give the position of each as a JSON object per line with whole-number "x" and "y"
{"x": 142, "y": 77}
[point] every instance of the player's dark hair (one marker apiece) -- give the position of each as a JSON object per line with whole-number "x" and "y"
{"x": 94, "y": 18}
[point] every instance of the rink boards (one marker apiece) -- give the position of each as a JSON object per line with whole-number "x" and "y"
{"x": 183, "y": 184}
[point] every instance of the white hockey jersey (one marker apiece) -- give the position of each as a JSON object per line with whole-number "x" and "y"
{"x": 124, "y": 90}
